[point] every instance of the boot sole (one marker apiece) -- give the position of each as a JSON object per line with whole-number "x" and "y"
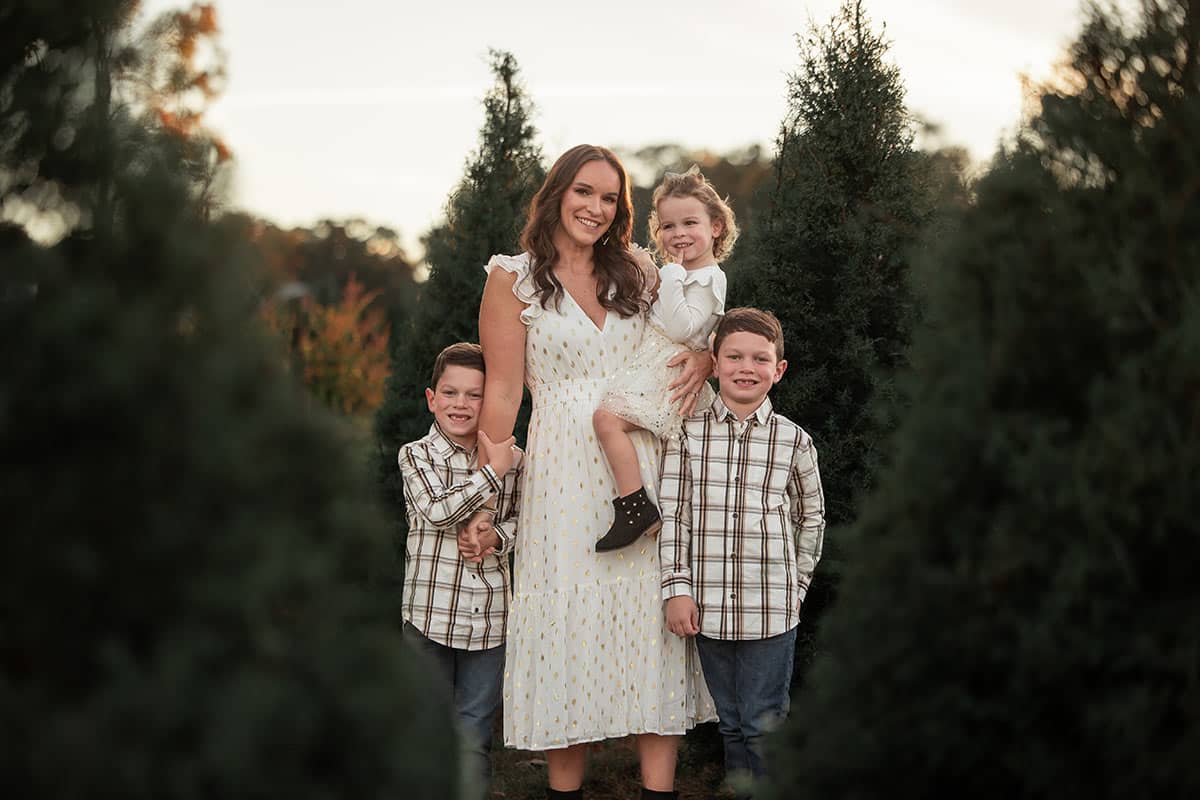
{"x": 651, "y": 531}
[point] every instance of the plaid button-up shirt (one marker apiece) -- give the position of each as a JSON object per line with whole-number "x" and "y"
{"x": 451, "y": 601}
{"x": 743, "y": 520}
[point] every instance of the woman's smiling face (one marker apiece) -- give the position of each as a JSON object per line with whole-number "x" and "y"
{"x": 589, "y": 204}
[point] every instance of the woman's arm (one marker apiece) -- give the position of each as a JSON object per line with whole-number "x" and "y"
{"x": 502, "y": 336}
{"x": 443, "y": 506}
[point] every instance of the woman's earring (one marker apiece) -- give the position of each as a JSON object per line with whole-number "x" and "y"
{"x": 604, "y": 241}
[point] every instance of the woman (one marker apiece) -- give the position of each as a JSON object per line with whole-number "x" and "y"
{"x": 588, "y": 653}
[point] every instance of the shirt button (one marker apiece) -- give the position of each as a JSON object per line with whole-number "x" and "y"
{"x": 734, "y": 515}
{"x": 736, "y": 478}
{"x": 477, "y": 611}
{"x": 732, "y": 595}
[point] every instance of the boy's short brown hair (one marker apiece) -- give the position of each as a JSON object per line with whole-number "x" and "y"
{"x": 750, "y": 320}
{"x": 459, "y": 354}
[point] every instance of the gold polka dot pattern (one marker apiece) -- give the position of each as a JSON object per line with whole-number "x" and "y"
{"x": 588, "y": 653}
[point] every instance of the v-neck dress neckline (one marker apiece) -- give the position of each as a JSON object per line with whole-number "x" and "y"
{"x": 599, "y": 328}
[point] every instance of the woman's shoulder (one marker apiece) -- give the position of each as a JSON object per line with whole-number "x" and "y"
{"x": 518, "y": 264}
{"x": 522, "y": 282}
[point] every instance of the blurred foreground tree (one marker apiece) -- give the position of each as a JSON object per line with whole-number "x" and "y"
{"x": 185, "y": 608}
{"x": 172, "y": 70}
{"x": 81, "y": 79}
{"x": 484, "y": 216}
{"x": 1019, "y": 615}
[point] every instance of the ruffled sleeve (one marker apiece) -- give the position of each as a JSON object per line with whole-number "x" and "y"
{"x": 689, "y": 302}
{"x": 523, "y": 287}
{"x": 713, "y": 278}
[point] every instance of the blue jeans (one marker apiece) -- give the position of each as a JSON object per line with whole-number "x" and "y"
{"x": 749, "y": 681}
{"x": 474, "y": 677}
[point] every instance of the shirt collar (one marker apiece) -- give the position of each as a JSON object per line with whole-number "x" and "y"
{"x": 762, "y": 413}
{"x": 446, "y": 446}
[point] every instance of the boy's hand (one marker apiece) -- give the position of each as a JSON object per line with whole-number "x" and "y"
{"x": 477, "y": 538}
{"x": 501, "y": 455}
{"x": 683, "y": 618}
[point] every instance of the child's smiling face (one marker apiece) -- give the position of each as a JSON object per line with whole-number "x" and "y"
{"x": 686, "y": 231}
{"x": 747, "y": 367}
{"x": 455, "y": 403}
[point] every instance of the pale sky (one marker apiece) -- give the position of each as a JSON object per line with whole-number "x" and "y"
{"x": 370, "y": 108}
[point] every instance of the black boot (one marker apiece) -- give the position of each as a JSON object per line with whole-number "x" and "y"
{"x": 634, "y": 515}
{"x": 651, "y": 794}
{"x": 555, "y": 794}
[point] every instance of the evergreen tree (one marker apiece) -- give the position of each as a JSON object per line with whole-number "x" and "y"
{"x": 484, "y": 216}
{"x": 1020, "y": 614}
{"x": 185, "y": 608}
{"x": 832, "y": 253}
{"x": 830, "y": 257}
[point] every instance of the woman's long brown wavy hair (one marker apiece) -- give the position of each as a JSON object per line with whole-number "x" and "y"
{"x": 617, "y": 273}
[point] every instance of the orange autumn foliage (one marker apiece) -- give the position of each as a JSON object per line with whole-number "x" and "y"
{"x": 340, "y": 351}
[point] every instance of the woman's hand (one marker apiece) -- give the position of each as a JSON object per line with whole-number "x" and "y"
{"x": 697, "y": 368}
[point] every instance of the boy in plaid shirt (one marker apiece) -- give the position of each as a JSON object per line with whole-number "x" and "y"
{"x": 743, "y": 520}
{"x": 456, "y": 581}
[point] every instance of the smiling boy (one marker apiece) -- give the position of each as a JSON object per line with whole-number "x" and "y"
{"x": 456, "y": 610}
{"x": 743, "y": 522}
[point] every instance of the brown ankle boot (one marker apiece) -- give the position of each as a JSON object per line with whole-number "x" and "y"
{"x": 634, "y": 516}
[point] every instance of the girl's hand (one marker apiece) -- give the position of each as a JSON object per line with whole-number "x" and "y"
{"x": 697, "y": 368}
{"x": 679, "y": 256}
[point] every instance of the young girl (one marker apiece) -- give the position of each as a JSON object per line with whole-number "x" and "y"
{"x": 693, "y": 228}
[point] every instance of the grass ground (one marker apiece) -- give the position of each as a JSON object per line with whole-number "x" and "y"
{"x": 613, "y": 770}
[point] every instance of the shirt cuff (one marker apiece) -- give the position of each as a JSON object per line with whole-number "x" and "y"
{"x": 507, "y": 539}
{"x": 674, "y": 585}
{"x": 672, "y": 271}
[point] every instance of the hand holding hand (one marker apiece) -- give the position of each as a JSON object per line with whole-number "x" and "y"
{"x": 477, "y": 538}
{"x": 683, "y": 618}
{"x": 501, "y": 455}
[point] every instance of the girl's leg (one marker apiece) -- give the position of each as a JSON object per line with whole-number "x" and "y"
{"x": 613, "y": 433}
{"x": 565, "y": 767}
{"x": 633, "y": 513}
{"x": 657, "y": 755}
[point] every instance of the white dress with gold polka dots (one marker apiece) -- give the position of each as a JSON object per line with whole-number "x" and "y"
{"x": 589, "y": 656}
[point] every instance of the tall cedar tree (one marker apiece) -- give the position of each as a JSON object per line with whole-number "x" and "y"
{"x": 185, "y": 608}
{"x": 1020, "y": 615}
{"x": 831, "y": 260}
{"x": 832, "y": 255}
{"x": 484, "y": 216}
